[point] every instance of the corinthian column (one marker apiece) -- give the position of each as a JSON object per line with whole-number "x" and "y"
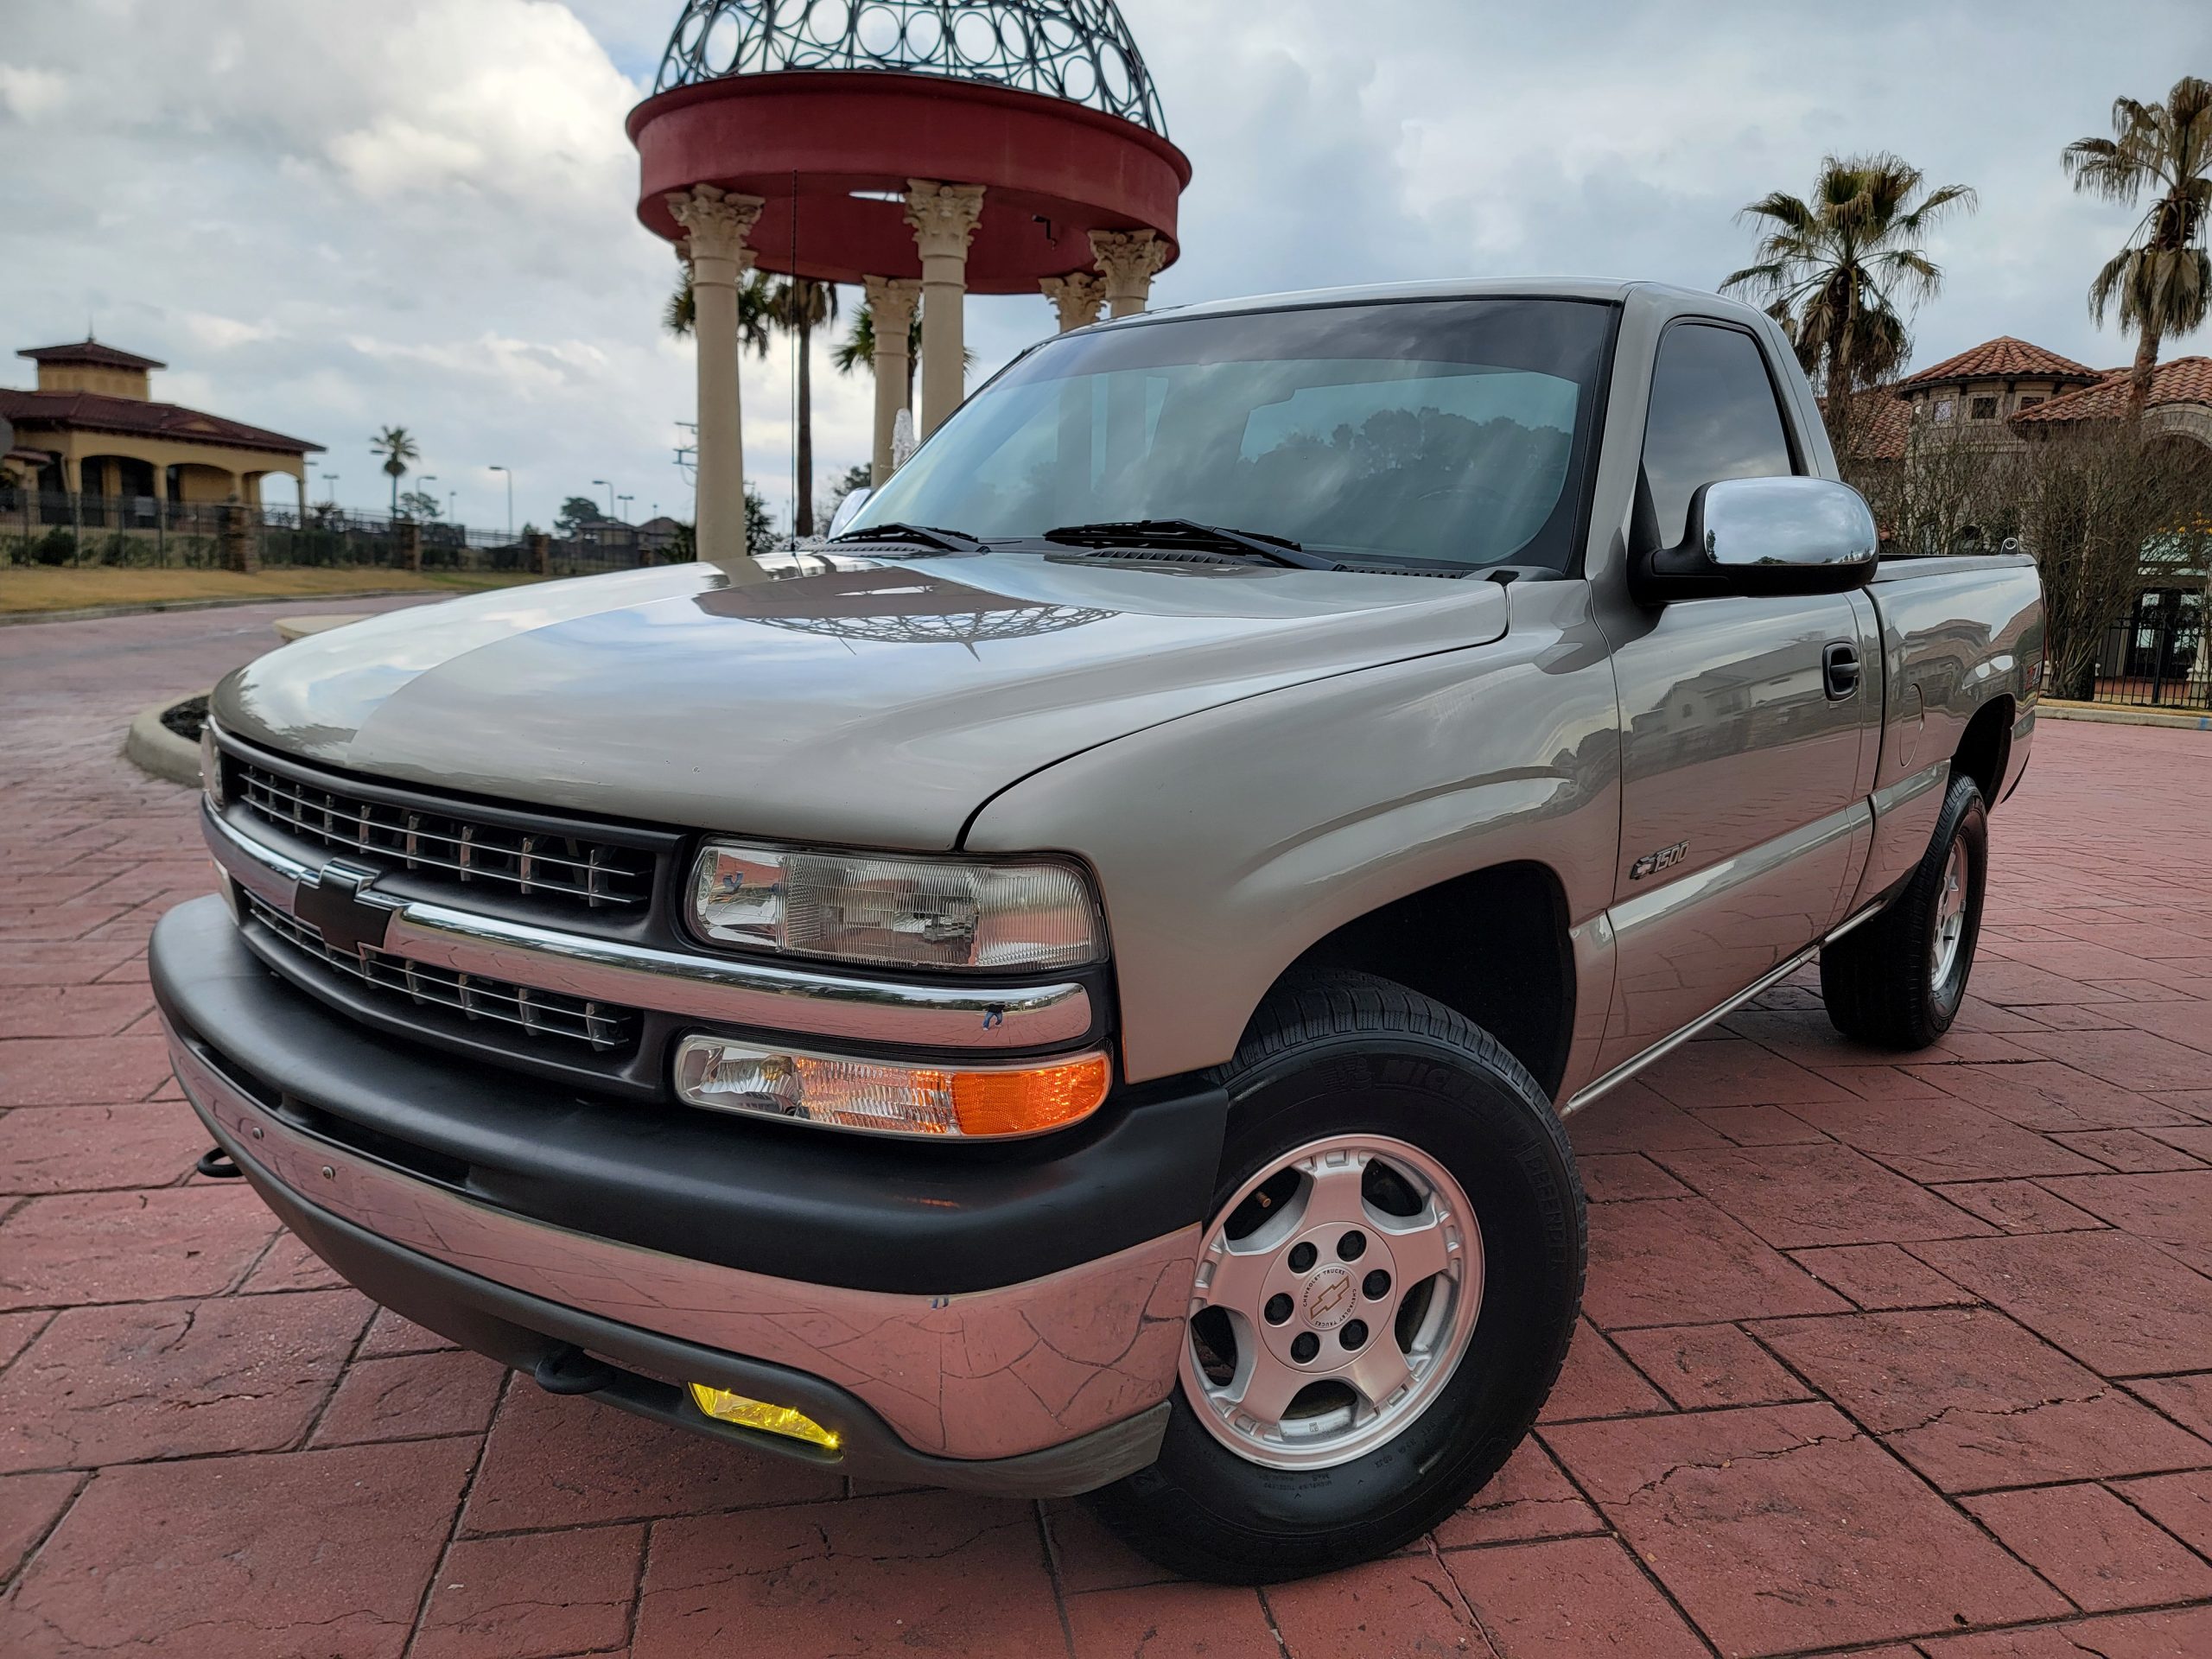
{"x": 891, "y": 308}
{"x": 944, "y": 217}
{"x": 715, "y": 224}
{"x": 1076, "y": 297}
{"x": 1128, "y": 259}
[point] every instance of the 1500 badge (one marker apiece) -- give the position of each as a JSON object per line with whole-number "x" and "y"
{"x": 1652, "y": 863}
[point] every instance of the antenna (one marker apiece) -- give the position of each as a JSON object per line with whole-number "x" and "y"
{"x": 800, "y": 297}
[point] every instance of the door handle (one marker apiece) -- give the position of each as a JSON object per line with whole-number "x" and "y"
{"x": 1840, "y": 670}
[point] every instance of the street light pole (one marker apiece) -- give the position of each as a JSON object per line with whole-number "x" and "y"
{"x": 427, "y": 478}
{"x": 511, "y": 499}
{"x": 609, "y": 488}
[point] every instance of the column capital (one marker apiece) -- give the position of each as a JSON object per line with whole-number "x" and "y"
{"x": 1077, "y": 297}
{"x": 890, "y": 302}
{"x": 716, "y": 223}
{"x": 1127, "y": 260}
{"x": 944, "y": 216}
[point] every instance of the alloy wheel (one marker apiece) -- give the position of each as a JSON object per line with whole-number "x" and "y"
{"x": 1950, "y": 917}
{"x": 1337, "y": 1293}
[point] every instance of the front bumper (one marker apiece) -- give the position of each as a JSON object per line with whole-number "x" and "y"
{"x": 508, "y": 1216}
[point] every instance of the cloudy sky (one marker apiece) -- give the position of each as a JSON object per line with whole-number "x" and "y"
{"x": 327, "y": 216}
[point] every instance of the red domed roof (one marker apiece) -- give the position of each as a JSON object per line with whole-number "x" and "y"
{"x": 826, "y": 112}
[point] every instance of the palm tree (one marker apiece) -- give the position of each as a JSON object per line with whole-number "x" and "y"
{"x": 857, "y": 349}
{"x": 681, "y": 314}
{"x": 1842, "y": 270}
{"x": 797, "y": 306}
{"x": 398, "y": 449}
{"x": 2160, "y": 279}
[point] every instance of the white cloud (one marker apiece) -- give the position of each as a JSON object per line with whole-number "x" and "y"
{"x": 28, "y": 93}
{"x": 215, "y": 333}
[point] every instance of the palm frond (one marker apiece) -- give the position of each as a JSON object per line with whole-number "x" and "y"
{"x": 2156, "y": 282}
{"x": 681, "y": 314}
{"x": 1838, "y": 262}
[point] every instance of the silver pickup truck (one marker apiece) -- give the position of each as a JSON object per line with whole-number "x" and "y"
{"x": 1077, "y": 984}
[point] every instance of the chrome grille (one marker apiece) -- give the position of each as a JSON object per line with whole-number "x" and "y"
{"x": 604, "y": 1025}
{"x": 568, "y": 868}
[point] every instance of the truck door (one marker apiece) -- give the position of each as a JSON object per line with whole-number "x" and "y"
{"x": 1748, "y": 725}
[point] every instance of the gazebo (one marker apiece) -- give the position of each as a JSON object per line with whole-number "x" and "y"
{"x": 920, "y": 150}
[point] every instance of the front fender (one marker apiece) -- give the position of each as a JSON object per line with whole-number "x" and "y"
{"x": 1228, "y": 842}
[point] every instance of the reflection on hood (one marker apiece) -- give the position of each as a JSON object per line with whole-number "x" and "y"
{"x": 884, "y": 602}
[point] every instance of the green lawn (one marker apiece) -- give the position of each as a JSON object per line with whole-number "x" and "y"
{"x": 63, "y": 587}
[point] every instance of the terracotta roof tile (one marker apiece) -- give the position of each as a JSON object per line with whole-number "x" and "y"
{"x": 91, "y": 352}
{"x": 1998, "y": 358}
{"x": 31, "y": 410}
{"x": 1880, "y": 421}
{"x": 2182, "y": 380}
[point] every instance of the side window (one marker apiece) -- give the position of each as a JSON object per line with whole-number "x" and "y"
{"x": 1712, "y": 417}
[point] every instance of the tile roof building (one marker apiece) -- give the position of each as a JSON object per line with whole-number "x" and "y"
{"x": 2004, "y": 390}
{"x": 93, "y": 429}
{"x": 2180, "y": 401}
{"x": 1982, "y": 390}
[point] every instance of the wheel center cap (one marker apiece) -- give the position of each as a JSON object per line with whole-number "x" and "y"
{"x": 1329, "y": 1298}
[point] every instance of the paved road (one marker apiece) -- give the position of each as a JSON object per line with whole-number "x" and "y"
{"x": 1896, "y": 1357}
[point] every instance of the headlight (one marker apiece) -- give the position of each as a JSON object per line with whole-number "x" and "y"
{"x": 728, "y": 1075}
{"x": 211, "y": 764}
{"x": 912, "y": 912}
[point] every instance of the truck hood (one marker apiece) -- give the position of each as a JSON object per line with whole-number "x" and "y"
{"x": 874, "y": 701}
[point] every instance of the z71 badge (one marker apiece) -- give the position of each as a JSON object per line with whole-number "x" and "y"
{"x": 1652, "y": 863}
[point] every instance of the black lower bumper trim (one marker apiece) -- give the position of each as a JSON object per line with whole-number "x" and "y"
{"x": 523, "y": 1332}
{"x": 787, "y": 1200}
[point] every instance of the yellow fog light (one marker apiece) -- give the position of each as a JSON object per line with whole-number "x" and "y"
{"x": 727, "y": 1407}
{"x": 729, "y": 1075}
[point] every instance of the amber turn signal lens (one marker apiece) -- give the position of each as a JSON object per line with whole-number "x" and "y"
{"x": 727, "y": 1076}
{"x": 747, "y": 1413}
{"x": 1022, "y": 1102}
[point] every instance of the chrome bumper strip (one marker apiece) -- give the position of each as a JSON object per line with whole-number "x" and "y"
{"x": 760, "y": 995}
{"x": 991, "y": 1374}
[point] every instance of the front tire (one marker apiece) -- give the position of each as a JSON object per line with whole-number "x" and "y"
{"x": 1896, "y": 981}
{"x": 1388, "y": 1281}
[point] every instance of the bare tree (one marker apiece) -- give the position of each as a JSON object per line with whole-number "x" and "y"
{"x": 2098, "y": 498}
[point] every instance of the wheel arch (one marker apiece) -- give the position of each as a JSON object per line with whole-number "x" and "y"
{"x": 1986, "y": 746}
{"x": 1493, "y": 944}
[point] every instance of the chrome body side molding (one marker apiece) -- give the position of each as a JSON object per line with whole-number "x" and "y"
{"x": 1628, "y": 1069}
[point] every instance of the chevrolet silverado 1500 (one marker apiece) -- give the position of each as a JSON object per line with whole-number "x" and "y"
{"x": 1076, "y": 984}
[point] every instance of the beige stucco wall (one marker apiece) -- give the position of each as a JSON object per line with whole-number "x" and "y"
{"x": 212, "y": 471}
{"x": 2009, "y": 394}
{"x": 2181, "y": 420}
{"x": 87, "y": 377}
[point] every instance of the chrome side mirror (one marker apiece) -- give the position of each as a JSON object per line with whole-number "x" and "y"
{"x": 1765, "y": 536}
{"x": 849, "y": 508}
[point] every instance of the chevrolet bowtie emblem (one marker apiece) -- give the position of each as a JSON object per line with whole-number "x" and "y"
{"x": 333, "y": 905}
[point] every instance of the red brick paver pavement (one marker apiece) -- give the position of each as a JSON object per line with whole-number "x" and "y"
{"x": 1883, "y": 1357}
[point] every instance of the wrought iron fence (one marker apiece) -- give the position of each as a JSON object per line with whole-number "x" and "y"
{"x": 2157, "y": 656}
{"x": 51, "y": 529}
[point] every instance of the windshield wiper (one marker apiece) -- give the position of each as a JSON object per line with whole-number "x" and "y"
{"x": 945, "y": 541}
{"x": 1189, "y": 532}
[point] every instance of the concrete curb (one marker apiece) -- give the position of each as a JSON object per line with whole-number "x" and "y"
{"x": 152, "y": 747}
{"x": 94, "y": 614}
{"x": 2109, "y": 714}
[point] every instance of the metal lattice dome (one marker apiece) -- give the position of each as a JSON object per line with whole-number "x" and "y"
{"x": 1078, "y": 50}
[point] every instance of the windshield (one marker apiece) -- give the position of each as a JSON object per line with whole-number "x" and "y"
{"x": 1431, "y": 430}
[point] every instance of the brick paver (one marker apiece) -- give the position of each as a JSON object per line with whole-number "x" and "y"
{"x": 1898, "y": 1356}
